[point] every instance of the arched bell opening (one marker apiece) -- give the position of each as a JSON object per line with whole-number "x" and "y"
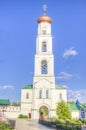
{"x": 44, "y": 67}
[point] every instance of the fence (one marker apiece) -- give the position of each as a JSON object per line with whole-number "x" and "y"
{"x": 60, "y": 126}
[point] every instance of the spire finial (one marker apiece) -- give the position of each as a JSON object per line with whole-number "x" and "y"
{"x": 44, "y": 8}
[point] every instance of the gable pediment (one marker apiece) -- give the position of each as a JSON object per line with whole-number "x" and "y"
{"x": 43, "y": 80}
{"x": 43, "y": 83}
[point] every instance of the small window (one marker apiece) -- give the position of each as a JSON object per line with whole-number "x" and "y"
{"x": 60, "y": 96}
{"x": 44, "y": 46}
{"x": 40, "y": 94}
{"x": 83, "y": 114}
{"x": 47, "y": 94}
{"x": 44, "y": 30}
{"x": 27, "y": 95}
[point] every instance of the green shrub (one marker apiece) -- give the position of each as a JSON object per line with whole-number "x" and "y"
{"x": 23, "y": 116}
{"x": 58, "y": 126}
{"x": 5, "y": 126}
{"x": 84, "y": 121}
{"x": 54, "y": 119}
{"x": 72, "y": 122}
{"x": 69, "y": 127}
{"x": 60, "y": 121}
{"x": 68, "y": 124}
{"x": 79, "y": 122}
{"x": 64, "y": 127}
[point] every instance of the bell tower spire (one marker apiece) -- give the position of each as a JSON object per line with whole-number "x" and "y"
{"x": 44, "y": 58}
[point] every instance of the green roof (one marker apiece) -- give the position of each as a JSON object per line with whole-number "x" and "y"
{"x": 73, "y": 107}
{"x": 60, "y": 87}
{"x": 4, "y": 102}
{"x": 82, "y": 106}
{"x": 28, "y": 87}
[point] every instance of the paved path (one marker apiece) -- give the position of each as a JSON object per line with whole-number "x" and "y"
{"x": 83, "y": 127}
{"x": 22, "y": 124}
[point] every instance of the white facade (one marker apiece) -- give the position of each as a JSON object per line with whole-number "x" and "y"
{"x": 10, "y": 111}
{"x": 75, "y": 114}
{"x": 43, "y": 92}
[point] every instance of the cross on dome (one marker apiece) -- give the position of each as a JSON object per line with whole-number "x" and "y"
{"x": 44, "y": 18}
{"x": 44, "y": 8}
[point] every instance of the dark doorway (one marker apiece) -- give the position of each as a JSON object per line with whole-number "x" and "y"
{"x": 29, "y": 115}
{"x": 43, "y": 112}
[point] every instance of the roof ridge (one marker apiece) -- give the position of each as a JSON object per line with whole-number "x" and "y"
{"x": 28, "y": 87}
{"x": 4, "y": 101}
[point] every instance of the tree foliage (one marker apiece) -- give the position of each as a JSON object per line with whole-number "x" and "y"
{"x": 72, "y": 102}
{"x": 5, "y": 126}
{"x": 16, "y": 103}
{"x": 63, "y": 110}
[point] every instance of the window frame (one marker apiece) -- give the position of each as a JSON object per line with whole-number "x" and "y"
{"x": 40, "y": 94}
{"x": 44, "y": 46}
{"x": 27, "y": 95}
{"x": 44, "y": 67}
{"x": 47, "y": 94}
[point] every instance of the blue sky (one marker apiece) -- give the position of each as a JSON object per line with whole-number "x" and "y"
{"x": 18, "y": 31}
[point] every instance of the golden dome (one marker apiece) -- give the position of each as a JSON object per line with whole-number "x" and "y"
{"x": 44, "y": 18}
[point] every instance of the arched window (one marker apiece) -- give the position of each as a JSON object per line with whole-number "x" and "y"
{"x": 44, "y": 46}
{"x": 47, "y": 94}
{"x": 44, "y": 67}
{"x": 40, "y": 94}
{"x": 27, "y": 95}
{"x": 60, "y": 96}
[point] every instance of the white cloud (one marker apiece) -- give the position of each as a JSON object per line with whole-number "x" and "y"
{"x": 69, "y": 52}
{"x": 7, "y": 87}
{"x": 64, "y": 76}
{"x": 77, "y": 94}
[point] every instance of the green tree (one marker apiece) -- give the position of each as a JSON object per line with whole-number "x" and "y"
{"x": 63, "y": 110}
{"x": 72, "y": 102}
{"x": 16, "y": 103}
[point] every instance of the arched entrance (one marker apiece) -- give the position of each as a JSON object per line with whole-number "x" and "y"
{"x": 43, "y": 112}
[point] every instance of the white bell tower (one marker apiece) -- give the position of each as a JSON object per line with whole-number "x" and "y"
{"x": 44, "y": 58}
{"x": 41, "y": 98}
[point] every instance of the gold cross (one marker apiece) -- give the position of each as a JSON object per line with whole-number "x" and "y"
{"x": 44, "y": 8}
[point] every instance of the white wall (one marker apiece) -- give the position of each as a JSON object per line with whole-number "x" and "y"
{"x": 75, "y": 114}
{"x": 10, "y": 108}
{"x": 11, "y": 114}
